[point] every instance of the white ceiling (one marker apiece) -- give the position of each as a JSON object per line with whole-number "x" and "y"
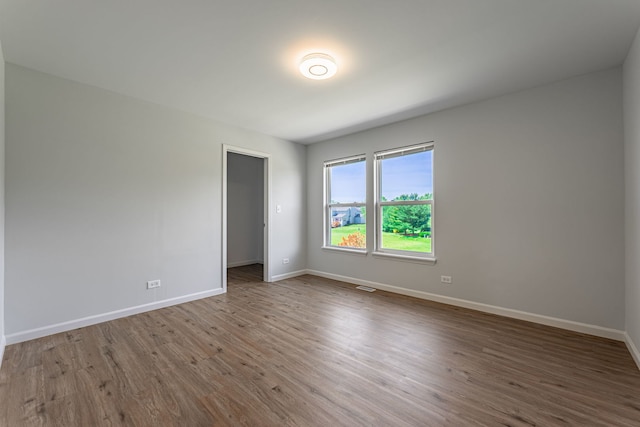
{"x": 235, "y": 61}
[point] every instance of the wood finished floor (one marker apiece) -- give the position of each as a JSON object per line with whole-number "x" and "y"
{"x": 314, "y": 352}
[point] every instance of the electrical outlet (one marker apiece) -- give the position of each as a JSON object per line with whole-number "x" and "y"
{"x": 445, "y": 279}
{"x": 285, "y": 260}
{"x": 153, "y": 284}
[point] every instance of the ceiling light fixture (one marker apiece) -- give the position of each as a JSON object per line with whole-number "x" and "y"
{"x": 318, "y": 66}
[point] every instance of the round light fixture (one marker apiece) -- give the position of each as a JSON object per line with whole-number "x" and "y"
{"x": 318, "y": 66}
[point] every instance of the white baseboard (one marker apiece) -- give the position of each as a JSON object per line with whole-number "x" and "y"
{"x": 3, "y": 344}
{"x": 243, "y": 263}
{"x": 105, "y": 317}
{"x": 486, "y": 308}
{"x": 632, "y": 349}
{"x": 289, "y": 275}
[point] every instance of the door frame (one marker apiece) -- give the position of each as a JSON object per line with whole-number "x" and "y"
{"x": 266, "y": 217}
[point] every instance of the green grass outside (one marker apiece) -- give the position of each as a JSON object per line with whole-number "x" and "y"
{"x": 389, "y": 240}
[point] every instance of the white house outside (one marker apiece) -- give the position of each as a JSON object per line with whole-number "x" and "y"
{"x": 346, "y": 216}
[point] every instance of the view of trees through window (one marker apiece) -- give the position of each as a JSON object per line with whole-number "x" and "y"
{"x": 403, "y": 205}
{"x": 405, "y": 199}
{"x": 347, "y": 191}
{"x": 412, "y": 219}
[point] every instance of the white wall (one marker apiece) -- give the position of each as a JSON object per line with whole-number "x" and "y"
{"x": 632, "y": 193}
{"x": 245, "y": 207}
{"x": 2, "y": 143}
{"x": 105, "y": 192}
{"x": 529, "y": 202}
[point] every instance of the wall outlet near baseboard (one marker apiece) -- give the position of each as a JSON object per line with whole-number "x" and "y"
{"x": 445, "y": 279}
{"x": 285, "y": 260}
{"x": 153, "y": 284}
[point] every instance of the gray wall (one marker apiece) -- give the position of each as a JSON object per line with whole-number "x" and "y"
{"x": 2, "y": 166}
{"x": 245, "y": 209}
{"x": 632, "y": 189}
{"x": 105, "y": 192}
{"x": 529, "y": 194}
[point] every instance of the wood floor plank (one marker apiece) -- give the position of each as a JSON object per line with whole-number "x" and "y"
{"x": 310, "y": 351}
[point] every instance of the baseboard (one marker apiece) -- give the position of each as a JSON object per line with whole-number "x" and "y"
{"x": 105, "y": 317}
{"x": 632, "y": 349}
{"x": 3, "y": 344}
{"x": 243, "y": 263}
{"x": 486, "y": 308}
{"x": 289, "y": 275}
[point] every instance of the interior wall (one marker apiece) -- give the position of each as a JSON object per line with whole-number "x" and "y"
{"x": 632, "y": 192}
{"x": 105, "y": 192}
{"x": 529, "y": 209}
{"x": 245, "y": 210}
{"x": 2, "y": 167}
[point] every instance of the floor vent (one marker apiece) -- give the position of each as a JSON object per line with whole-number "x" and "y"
{"x": 366, "y": 288}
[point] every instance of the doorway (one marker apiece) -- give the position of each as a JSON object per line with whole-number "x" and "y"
{"x": 245, "y": 216}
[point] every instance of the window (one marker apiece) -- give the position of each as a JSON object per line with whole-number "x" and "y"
{"x": 345, "y": 203}
{"x": 404, "y": 201}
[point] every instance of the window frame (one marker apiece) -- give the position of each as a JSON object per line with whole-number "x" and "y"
{"x": 328, "y": 206}
{"x": 379, "y": 204}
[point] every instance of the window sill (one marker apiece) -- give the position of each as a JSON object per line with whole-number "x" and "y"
{"x": 362, "y": 252}
{"x": 407, "y": 258}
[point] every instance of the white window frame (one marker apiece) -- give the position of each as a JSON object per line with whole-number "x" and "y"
{"x": 328, "y": 206}
{"x": 379, "y": 203}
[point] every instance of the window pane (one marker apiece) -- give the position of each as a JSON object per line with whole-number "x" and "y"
{"x": 407, "y": 177}
{"x": 348, "y": 183}
{"x": 407, "y": 228}
{"x": 348, "y": 227}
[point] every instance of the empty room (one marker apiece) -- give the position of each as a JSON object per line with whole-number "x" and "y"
{"x": 337, "y": 213}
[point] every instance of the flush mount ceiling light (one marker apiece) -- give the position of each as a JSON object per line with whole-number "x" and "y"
{"x": 318, "y": 66}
